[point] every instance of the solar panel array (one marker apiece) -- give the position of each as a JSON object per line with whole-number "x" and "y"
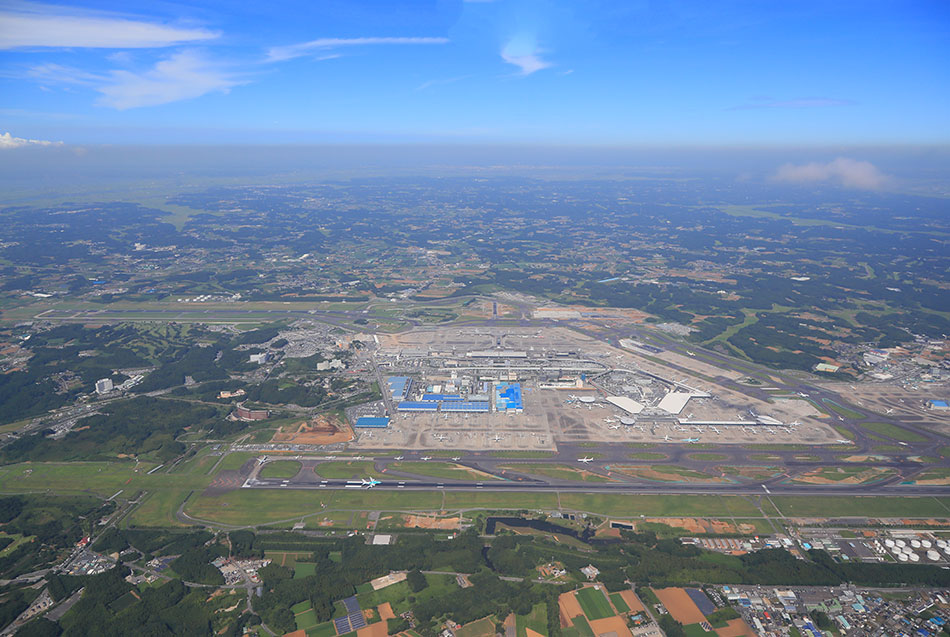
{"x": 354, "y": 619}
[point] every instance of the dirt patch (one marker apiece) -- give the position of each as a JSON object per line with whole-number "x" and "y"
{"x": 386, "y": 611}
{"x": 373, "y": 630}
{"x": 570, "y": 608}
{"x": 649, "y": 473}
{"x": 680, "y": 606}
{"x": 324, "y": 429}
{"x": 817, "y": 477}
{"x": 735, "y": 628}
{"x": 532, "y": 633}
{"x": 610, "y": 625}
{"x": 703, "y": 525}
{"x": 636, "y": 606}
{"x": 431, "y": 522}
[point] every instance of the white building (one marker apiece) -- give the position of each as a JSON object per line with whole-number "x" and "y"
{"x": 104, "y": 386}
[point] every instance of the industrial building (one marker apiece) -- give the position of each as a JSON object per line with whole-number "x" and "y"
{"x": 467, "y": 406}
{"x": 104, "y": 386}
{"x": 416, "y": 405}
{"x": 399, "y": 386}
{"x": 508, "y": 397}
{"x": 931, "y": 404}
{"x": 371, "y": 422}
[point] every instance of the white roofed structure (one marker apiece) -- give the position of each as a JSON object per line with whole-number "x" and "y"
{"x": 674, "y": 402}
{"x": 629, "y": 405}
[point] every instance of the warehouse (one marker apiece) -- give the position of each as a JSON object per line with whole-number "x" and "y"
{"x": 371, "y": 422}
{"x": 508, "y": 397}
{"x": 399, "y": 386}
{"x": 411, "y": 405}
{"x": 467, "y": 406}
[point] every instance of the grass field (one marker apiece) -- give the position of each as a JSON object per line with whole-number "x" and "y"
{"x": 581, "y": 628}
{"x": 647, "y": 455}
{"x": 341, "y": 470}
{"x": 860, "y": 506}
{"x": 304, "y": 569}
{"x": 280, "y": 469}
{"x": 536, "y": 620}
{"x": 158, "y": 509}
{"x": 892, "y": 431}
{"x": 444, "y": 470}
{"x": 522, "y": 454}
{"x": 456, "y": 500}
{"x": 484, "y": 627}
{"x": 619, "y": 603}
{"x": 854, "y": 475}
{"x": 658, "y": 505}
{"x": 713, "y": 457}
{"x": 307, "y": 619}
{"x": 556, "y": 471}
{"x": 236, "y": 460}
{"x": 326, "y": 629}
{"x": 594, "y": 603}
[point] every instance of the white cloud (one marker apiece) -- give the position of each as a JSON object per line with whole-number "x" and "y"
{"x": 182, "y": 76}
{"x": 8, "y": 141}
{"x": 844, "y": 171}
{"x": 281, "y": 53}
{"x": 523, "y": 53}
{"x": 37, "y": 25}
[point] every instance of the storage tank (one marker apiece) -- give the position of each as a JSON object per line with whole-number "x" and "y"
{"x": 902, "y": 557}
{"x": 933, "y": 555}
{"x": 915, "y": 544}
{"x": 914, "y": 557}
{"x": 900, "y": 543}
{"x": 926, "y": 544}
{"x": 941, "y": 544}
{"x": 889, "y": 543}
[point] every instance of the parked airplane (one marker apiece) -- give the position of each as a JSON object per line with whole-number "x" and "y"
{"x": 398, "y": 458}
{"x": 456, "y": 458}
{"x": 716, "y": 429}
{"x": 585, "y": 459}
{"x": 372, "y": 482}
{"x": 614, "y": 427}
{"x": 424, "y": 458}
{"x": 690, "y": 439}
{"x": 689, "y": 353}
{"x": 888, "y": 411}
{"x": 497, "y": 438}
{"x": 843, "y": 441}
{"x": 666, "y": 438}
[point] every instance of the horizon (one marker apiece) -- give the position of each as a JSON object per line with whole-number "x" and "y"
{"x": 506, "y": 72}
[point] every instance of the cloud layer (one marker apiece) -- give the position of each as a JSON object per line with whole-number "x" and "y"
{"x": 291, "y": 51}
{"x": 524, "y": 53}
{"x": 38, "y": 26}
{"x": 847, "y": 172}
{"x": 8, "y": 141}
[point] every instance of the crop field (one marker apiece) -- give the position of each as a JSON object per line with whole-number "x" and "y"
{"x": 594, "y": 603}
{"x": 536, "y": 620}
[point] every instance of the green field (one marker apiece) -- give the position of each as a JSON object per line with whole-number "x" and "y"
{"x": 159, "y": 509}
{"x": 860, "y": 506}
{"x": 456, "y": 500}
{"x": 304, "y": 569}
{"x": 536, "y": 620}
{"x": 713, "y": 457}
{"x": 840, "y": 474}
{"x": 280, "y": 469}
{"x": 556, "y": 471}
{"x": 619, "y": 603}
{"x": 892, "y": 431}
{"x": 484, "y": 627}
{"x": 594, "y": 603}
{"x": 444, "y": 470}
{"x": 581, "y": 628}
{"x": 658, "y": 505}
{"x": 306, "y": 619}
{"x": 234, "y": 461}
{"x": 342, "y": 470}
{"x": 647, "y": 455}
{"x": 326, "y": 629}
{"x": 522, "y": 454}
{"x": 695, "y": 630}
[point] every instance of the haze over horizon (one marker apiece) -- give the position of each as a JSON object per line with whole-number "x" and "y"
{"x": 453, "y": 72}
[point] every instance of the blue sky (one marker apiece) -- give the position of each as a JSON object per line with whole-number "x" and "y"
{"x": 508, "y": 71}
